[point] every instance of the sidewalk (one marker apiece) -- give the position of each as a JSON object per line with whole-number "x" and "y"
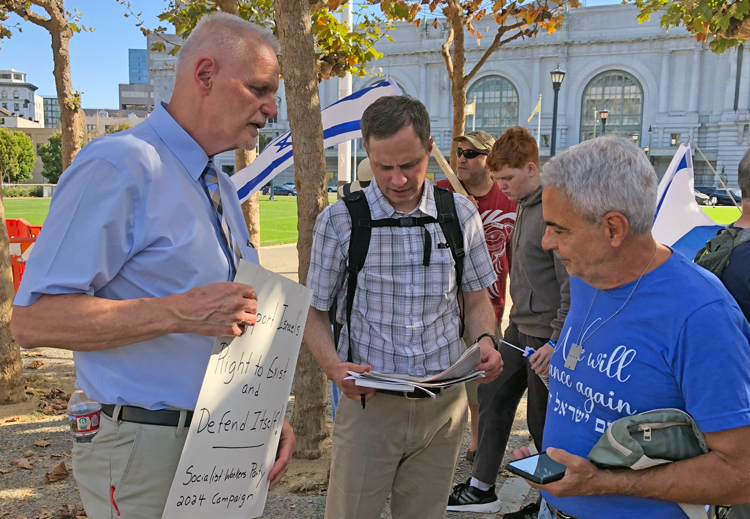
{"x": 24, "y": 495}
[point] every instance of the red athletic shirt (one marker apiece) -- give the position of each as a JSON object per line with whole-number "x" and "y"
{"x": 498, "y": 218}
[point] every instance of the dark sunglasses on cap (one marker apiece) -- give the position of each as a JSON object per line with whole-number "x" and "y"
{"x": 469, "y": 154}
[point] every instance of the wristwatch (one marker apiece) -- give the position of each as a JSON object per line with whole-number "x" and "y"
{"x": 494, "y": 340}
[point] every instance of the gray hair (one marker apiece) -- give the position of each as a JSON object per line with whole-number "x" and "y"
{"x": 389, "y": 114}
{"x": 222, "y": 34}
{"x": 606, "y": 174}
{"x": 743, "y": 175}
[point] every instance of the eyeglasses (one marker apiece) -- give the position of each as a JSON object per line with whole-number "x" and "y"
{"x": 469, "y": 154}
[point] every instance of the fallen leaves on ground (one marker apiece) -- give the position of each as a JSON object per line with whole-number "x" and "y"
{"x": 77, "y": 512}
{"x": 13, "y": 419}
{"x": 28, "y": 454}
{"x": 58, "y": 473}
{"x": 23, "y": 463}
{"x": 33, "y": 391}
{"x": 4, "y": 471}
{"x": 36, "y": 364}
{"x": 55, "y": 401}
{"x": 31, "y": 354}
{"x": 41, "y": 443}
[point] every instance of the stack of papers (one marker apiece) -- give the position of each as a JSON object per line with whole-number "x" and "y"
{"x": 461, "y": 371}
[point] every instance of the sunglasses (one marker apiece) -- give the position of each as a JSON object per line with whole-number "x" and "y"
{"x": 469, "y": 154}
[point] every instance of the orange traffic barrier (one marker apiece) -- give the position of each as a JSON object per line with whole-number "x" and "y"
{"x": 21, "y": 235}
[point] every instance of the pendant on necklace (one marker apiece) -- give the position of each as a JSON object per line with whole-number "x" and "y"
{"x": 573, "y": 355}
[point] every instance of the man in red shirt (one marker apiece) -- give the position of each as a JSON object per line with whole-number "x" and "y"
{"x": 498, "y": 215}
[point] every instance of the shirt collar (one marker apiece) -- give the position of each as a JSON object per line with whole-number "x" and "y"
{"x": 381, "y": 208}
{"x": 179, "y": 142}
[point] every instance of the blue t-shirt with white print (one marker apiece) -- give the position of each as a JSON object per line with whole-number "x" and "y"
{"x": 680, "y": 342}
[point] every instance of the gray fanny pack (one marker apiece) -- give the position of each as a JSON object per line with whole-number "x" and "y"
{"x": 649, "y": 439}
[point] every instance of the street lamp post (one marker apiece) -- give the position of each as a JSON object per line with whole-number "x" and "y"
{"x": 649, "y": 146}
{"x": 604, "y": 114}
{"x": 557, "y": 79}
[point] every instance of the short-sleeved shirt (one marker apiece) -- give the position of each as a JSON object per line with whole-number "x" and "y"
{"x": 130, "y": 219}
{"x": 680, "y": 342}
{"x": 405, "y": 317}
{"x": 498, "y": 215}
{"x": 736, "y": 277}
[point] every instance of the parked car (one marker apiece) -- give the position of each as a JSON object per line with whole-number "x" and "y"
{"x": 701, "y": 198}
{"x": 332, "y": 188}
{"x": 723, "y": 196}
{"x": 280, "y": 191}
{"x": 290, "y": 185}
{"x": 706, "y": 190}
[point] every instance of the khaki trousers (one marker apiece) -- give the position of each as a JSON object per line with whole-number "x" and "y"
{"x": 138, "y": 460}
{"x": 404, "y": 447}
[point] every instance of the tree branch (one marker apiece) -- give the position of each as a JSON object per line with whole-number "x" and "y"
{"x": 496, "y": 44}
{"x": 24, "y": 12}
{"x": 445, "y": 51}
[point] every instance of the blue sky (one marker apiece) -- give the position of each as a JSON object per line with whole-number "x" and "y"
{"x": 99, "y": 60}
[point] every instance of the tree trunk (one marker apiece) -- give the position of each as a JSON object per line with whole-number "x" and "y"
{"x": 11, "y": 378}
{"x": 458, "y": 81}
{"x": 250, "y": 208}
{"x": 300, "y": 77}
{"x": 71, "y": 115}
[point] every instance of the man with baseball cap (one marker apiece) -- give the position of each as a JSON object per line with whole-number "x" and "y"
{"x": 498, "y": 218}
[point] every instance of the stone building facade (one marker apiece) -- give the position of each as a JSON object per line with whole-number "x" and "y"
{"x": 660, "y": 88}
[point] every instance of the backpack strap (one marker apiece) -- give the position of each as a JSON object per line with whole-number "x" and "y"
{"x": 451, "y": 227}
{"x": 359, "y": 244}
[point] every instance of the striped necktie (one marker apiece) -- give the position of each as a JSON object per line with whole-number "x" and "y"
{"x": 211, "y": 185}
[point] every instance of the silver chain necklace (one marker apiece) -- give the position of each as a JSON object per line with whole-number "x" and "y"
{"x": 577, "y": 348}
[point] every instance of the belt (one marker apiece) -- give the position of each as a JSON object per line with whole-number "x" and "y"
{"x": 164, "y": 417}
{"x": 417, "y": 393}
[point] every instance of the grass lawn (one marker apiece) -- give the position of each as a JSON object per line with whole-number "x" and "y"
{"x": 723, "y": 215}
{"x": 278, "y": 219}
{"x": 33, "y": 210}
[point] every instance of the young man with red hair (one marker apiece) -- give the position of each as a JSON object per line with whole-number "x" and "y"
{"x": 540, "y": 293}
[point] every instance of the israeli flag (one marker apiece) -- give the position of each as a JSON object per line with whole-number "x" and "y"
{"x": 680, "y": 222}
{"x": 340, "y": 124}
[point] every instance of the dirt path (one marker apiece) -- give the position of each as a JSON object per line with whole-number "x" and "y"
{"x": 24, "y": 494}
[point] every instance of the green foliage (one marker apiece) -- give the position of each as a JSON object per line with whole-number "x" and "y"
{"x": 724, "y": 22}
{"x": 22, "y": 191}
{"x": 338, "y": 50}
{"x": 51, "y": 155}
{"x": 23, "y": 9}
{"x": 17, "y": 156}
{"x": 114, "y": 129}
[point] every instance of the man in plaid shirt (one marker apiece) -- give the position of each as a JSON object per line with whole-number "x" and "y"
{"x": 405, "y": 319}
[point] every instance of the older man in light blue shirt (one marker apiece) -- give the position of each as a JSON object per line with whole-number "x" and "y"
{"x": 133, "y": 268}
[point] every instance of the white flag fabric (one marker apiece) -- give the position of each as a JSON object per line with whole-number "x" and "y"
{"x": 340, "y": 124}
{"x": 680, "y": 222}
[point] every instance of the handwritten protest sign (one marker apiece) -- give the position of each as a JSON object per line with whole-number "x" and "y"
{"x": 233, "y": 437}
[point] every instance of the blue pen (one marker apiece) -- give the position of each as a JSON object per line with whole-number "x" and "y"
{"x": 527, "y": 352}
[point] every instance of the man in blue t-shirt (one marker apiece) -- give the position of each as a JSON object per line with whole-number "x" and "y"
{"x": 647, "y": 329}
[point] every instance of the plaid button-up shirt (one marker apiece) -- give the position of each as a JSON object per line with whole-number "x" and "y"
{"x": 405, "y": 317}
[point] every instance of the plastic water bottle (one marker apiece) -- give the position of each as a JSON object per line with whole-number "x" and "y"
{"x": 83, "y": 417}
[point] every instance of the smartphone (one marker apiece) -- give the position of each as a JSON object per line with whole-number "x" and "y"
{"x": 540, "y": 468}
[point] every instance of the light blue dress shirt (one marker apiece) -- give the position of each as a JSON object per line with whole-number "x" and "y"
{"x": 130, "y": 219}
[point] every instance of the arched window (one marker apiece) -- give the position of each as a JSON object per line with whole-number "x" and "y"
{"x": 621, "y": 94}
{"x": 497, "y": 105}
{"x": 3, "y": 94}
{"x": 15, "y": 94}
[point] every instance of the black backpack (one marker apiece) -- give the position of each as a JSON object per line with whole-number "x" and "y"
{"x": 715, "y": 255}
{"x": 359, "y": 244}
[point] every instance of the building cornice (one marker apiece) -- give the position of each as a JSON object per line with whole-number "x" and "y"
{"x": 19, "y": 85}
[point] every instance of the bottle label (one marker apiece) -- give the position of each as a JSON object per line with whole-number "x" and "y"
{"x": 87, "y": 422}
